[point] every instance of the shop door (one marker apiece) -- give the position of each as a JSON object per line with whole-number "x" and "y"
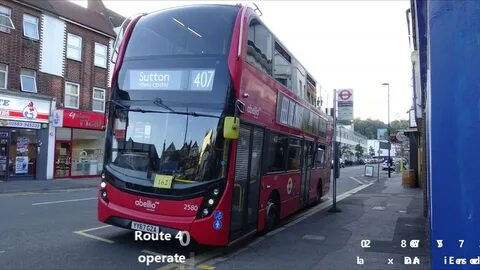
{"x": 247, "y": 181}
{"x": 63, "y": 159}
{"x": 3, "y": 155}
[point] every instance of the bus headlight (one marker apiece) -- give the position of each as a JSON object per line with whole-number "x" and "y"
{"x": 103, "y": 189}
{"x": 211, "y": 200}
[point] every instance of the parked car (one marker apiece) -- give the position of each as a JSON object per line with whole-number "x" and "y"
{"x": 341, "y": 162}
{"x": 385, "y": 165}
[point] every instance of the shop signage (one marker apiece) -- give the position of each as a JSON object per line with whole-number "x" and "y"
{"x": 25, "y": 109}
{"x": 57, "y": 120}
{"x": 78, "y": 119}
{"x": 20, "y": 124}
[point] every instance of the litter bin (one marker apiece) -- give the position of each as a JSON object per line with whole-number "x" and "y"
{"x": 409, "y": 179}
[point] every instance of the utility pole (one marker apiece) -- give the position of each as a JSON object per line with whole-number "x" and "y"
{"x": 334, "y": 208}
{"x": 388, "y": 129}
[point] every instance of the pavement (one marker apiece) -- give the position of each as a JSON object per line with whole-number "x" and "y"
{"x": 52, "y": 225}
{"x": 374, "y": 230}
{"x": 23, "y": 186}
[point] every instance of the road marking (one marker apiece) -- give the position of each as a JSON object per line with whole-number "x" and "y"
{"x": 74, "y": 200}
{"x": 52, "y": 191}
{"x": 84, "y": 233}
{"x": 151, "y": 252}
{"x": 95, "y": 237}
{"x": 379, "y": 208}
{"x": 96, "y": 228}
{"x": 2, "y": 251}
{"x": 194, "y": 260}
{"x": 356, "y": 180}
{"x": 205, "y": 267}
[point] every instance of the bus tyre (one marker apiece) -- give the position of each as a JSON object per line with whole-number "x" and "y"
{"x": 272, "y": 213}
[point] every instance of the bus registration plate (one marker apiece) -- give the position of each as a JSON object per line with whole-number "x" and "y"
{"x": 145, "y": 227}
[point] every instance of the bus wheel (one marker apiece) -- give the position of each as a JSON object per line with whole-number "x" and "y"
{"x": 272, "y": 213}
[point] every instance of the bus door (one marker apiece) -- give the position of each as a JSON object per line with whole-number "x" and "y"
{"x": 247, "y": 181}
{"x": 306, "y": 165}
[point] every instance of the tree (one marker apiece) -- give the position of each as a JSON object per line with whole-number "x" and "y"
{"x": 397, "y": 125}
{"x": 345, "y": 150}
{"x": 358, "y": 151}
{"x": 371, "y": 151}
{"x": 368, "y": 128}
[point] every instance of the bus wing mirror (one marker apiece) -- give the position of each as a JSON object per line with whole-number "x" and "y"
{"x": 231, "y": 127}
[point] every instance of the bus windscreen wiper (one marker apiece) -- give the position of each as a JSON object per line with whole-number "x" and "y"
{"x": 159, "y": 103}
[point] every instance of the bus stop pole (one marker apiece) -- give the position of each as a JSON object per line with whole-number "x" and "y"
{"x": 336, "y": 168}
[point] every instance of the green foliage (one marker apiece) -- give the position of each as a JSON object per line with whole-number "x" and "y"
{"x": 358, "y": 151}
{"x": 368, "y": 128}
{"x": 398, "y": 125}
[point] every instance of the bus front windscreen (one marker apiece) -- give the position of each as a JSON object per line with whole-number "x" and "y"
{"x": 183, "y": 149}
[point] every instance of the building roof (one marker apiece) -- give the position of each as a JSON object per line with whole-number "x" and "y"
{"x": 74, "y": 12}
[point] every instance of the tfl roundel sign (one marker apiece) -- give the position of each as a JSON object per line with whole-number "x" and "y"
{"x": 345, "y": 95}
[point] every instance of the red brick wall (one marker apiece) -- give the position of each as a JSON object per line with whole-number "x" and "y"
{"x": 16, "y": 50}
{"x": 16, "y": 54}
{"x": 85, "y": 72}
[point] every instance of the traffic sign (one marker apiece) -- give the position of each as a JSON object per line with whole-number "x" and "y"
{"x": 345, "y": 104}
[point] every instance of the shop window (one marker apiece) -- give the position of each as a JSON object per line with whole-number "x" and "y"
{"x": 277, "y": 149}
{"x": 3, "y": 76}
{"x": 74, "y": 47}
{"x": 63, "y": 134}
{"x": 6, "y": 22}
{"x": 294, "y": 152}
{"x": 259, "y": 47}
{"x": 30, "y": 26}
{"x": 87, "y": 152}
{"x": 72, "y": 93}
{"x": 100, "y": 55}
{"x": 23, "y": 152}
{"x": 98, "y": 102}
{"x": 28, "y": 80}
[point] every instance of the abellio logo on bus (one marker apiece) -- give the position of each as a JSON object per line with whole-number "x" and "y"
{"x": 148, "y": 205}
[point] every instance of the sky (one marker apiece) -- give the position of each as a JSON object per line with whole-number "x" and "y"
{"x": 343, "y": 44}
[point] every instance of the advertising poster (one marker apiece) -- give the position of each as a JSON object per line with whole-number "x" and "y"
{"x": 21, "y": 165}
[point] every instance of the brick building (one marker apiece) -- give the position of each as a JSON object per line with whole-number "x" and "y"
{"x": 54, "y": 78}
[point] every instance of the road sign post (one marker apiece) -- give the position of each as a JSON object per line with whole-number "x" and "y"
{"x": 334, "y": 208}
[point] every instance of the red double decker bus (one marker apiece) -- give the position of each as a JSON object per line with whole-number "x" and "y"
{"x": 213, "y": 127}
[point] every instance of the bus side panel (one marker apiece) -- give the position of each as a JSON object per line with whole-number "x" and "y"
{"x": 289, "y": 202}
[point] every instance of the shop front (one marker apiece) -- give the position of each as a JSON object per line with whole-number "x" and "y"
{"x": 79, "y": 143}
{"x": 23, "y": 137}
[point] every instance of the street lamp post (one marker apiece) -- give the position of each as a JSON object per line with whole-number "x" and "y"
{"x": 388, "y": 127}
